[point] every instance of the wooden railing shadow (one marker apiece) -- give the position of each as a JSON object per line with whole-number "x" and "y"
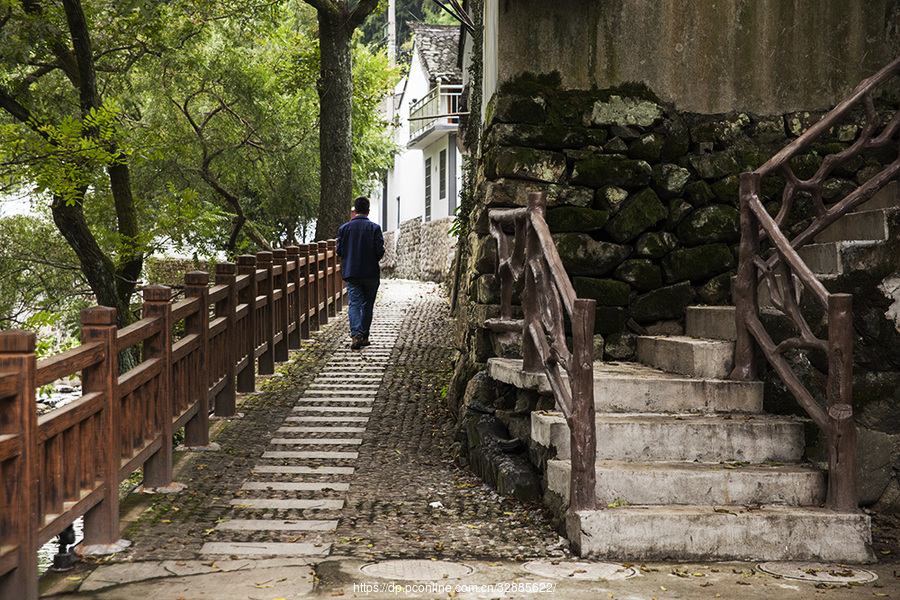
{"x": 69, "y": 463}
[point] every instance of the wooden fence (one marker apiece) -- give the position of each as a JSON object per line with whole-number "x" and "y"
{"x": 69, "y": 463}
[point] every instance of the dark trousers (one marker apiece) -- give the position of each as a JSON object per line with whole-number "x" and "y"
{"x": 362, "y": 291}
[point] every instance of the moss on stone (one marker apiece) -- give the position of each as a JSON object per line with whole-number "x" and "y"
{"x": 641, "y": 212}
{"x": 664, "y": 303}
{"x": 727, "y": 189}
{"x": 669, "y": 180}
{"x": 640, "y": 273}
{"x": 611, "y": 169}
{"x": 583, "y": 255}
{"x": 610, "y": 198}
{"x": 699, "y": 193}
{"x": 525, "y": 163}
{"x": 717, "y": 291}
{"x": 714, "y": 165}
{"x": 607, "y": 292}
{"x": 609, "y": 319}
{"x": 678, "y": 210}
{"x": 543, "y": 136}
{"x": 572, "y": 218}
{"x": 698, "y": 263}
{"x": 713, "y": 223}
{"x": 655, "y": 244}
{"x": 529, "y": 83}
{"x": 647, "y": 147}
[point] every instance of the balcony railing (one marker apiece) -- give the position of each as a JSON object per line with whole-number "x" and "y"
{"x": 440, "y": 105}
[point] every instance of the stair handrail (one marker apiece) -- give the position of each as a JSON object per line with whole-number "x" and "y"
{"x": 784, "y": 268}
{"x": 547, "y": 299}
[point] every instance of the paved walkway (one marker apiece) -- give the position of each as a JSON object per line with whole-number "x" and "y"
{"x": 343, "y": 462}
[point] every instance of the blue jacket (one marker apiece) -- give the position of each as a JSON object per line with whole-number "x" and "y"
{"x": 360, "y": 244}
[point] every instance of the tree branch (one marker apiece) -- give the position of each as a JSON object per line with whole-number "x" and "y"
{"x": 362, "y": 10}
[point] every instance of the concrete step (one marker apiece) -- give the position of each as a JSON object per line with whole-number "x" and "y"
{"x": 864, "y": 225}
{"x": 827, "y": 258}
{"x": 678, "y": 483}
{"x": 887, "y": 197}
{"x": 633, "y": 387}
{"x": 710, "y": 322}
{"x": 782, "y": 533}
{"x": 683, "y": 438}
{"x": 712, "y": 359}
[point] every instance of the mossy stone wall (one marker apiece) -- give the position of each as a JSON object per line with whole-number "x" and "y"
{"x": 642, "y": 197}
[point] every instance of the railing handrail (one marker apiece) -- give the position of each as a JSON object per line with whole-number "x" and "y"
{"x": 548, "y": 299}
{"x": 123, "y": 421}
{"x": 423, "y": 112}
{"x": 779, "y": 271}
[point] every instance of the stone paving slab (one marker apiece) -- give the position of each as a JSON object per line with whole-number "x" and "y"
{"x": 309, "y": 454}
{"x": 303, "y": 470}
{"x": 266, "y": 549}
{"x": 299, "y": 486}
{"x": 282, "y": 525}
{"x": 294, "y": 504}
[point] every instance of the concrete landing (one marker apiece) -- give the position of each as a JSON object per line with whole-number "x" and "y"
{"x": 701, "y": 532}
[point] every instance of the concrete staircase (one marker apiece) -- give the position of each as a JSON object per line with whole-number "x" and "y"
{"x": 688, "y": 465}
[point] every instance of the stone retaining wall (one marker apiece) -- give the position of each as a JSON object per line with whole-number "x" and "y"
{"x": 643, "y": 207}
{"x": 420, "y": 251}
{"x": 642, "y": 198}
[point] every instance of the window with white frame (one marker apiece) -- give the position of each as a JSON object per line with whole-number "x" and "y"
{"x": 427, "y": 189}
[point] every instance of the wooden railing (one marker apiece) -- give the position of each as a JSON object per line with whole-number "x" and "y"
{"x": 69, "y": 463}
{"x": 440, "y": 105}
{"x": 767, "y": 256}
{"x": 548, "y": 299}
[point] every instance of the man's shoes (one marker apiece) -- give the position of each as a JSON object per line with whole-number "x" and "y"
{"x": 365, "y": 341}
{"x": 357, "y": 342}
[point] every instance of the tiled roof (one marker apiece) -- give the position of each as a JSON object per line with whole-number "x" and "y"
{"x": 438, "y": 47}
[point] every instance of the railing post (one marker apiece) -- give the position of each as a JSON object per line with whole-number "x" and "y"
{"x": 296, "y": 304}
{"x": 19, "y": 514}
{"x": 283, "y": 318}
{"x": 842, "y": 430}
{"x": 246, "y": 378}
{"x": 267, "y": 358}
{"x": 582, "y": 425}
{"x": 531, "y": 311}
{"x": 303, "y": 280}
{"x": 312, "y": 284}
{"x": 196, "y": 430}
{"x": 157, "y": 305}
{"x": 225, "y": 402}
{"x": 322, "y": 283}
{"x": 746, "y": 295}
{"x": 333, "y": 300}
{"x": 98, "y": 325}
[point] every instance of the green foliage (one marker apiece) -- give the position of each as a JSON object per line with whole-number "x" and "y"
{"x": 39, "y": 274}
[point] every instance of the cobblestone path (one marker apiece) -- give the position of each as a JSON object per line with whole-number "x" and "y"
{"x": 345, "y": 453}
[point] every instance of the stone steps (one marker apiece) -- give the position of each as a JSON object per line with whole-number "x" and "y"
{"x": 297, "y": 489}
{"x": 681, "y": 483}
{"x": 654, "y": 437}
{"x": 686, "y": 475}
{"x": 633, "y": 387}
{"x": 684, "y": 533}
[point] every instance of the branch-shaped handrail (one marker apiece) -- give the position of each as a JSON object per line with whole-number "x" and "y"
{"x": 781, "y": 271}
{"x": 548, "y": 299}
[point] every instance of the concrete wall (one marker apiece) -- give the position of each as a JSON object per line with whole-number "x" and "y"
{"x": 706, "y": 56}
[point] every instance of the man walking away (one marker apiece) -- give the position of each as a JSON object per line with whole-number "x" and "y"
{"x": 360, "y": 245}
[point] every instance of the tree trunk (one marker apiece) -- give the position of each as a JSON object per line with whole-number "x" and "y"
{"x": 335, "y": 87}
{"x": 96, "y": 266}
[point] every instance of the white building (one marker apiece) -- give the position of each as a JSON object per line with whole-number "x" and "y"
{"x": 426, "y": 178}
